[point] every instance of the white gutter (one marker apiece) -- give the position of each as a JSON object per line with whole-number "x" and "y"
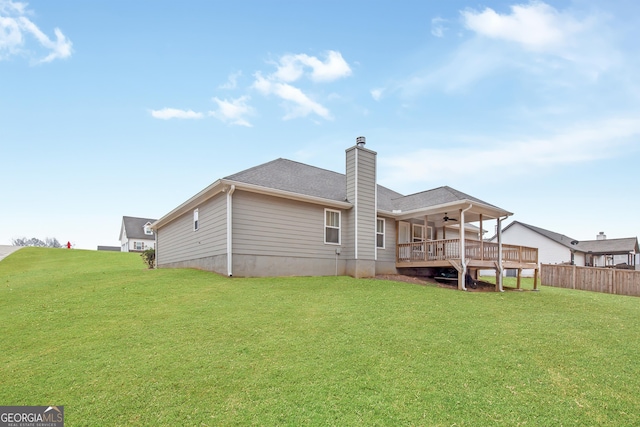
{"x": 444, "y": 207}
{"x": 462, "y": 257}
{"x": 220, "y": 186}
{"x": 230, "y": 230}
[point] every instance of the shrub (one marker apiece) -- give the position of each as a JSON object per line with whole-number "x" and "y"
{"x": 149, "y": 257}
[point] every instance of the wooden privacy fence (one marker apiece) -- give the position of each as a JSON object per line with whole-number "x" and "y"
{"x": 608, "y": 280}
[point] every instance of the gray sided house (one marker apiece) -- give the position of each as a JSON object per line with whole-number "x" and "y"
{"x": 136, "y": 234}
{"x": 285, "y": 218}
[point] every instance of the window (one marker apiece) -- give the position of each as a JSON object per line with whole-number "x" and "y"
{"x": 380, "y": 233}
{"x": 147, "y": 229}
{"x": 332, "y": 226}
{"x": 138, "y": 246}
{"x": 418, "y": 233}
{"x": 195, "y": 220}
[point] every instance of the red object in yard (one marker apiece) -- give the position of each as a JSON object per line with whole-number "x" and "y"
{"x": 68, "y": 245}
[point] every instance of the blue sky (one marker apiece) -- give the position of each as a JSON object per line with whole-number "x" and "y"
{"x": 112, "y": 108}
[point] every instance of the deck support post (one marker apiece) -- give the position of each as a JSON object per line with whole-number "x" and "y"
{"x": 481, "y": 240}
{"x": 500, "y": 269}
{"x": 463, "y": 260}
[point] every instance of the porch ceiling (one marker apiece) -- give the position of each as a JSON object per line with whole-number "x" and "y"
{"x": 436, "y": 213}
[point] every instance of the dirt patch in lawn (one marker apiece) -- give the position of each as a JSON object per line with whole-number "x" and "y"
{"x": 428, "y": 281}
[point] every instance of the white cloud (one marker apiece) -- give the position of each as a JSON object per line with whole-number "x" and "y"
{"x": 300, "y": 105}
{"x": 12, "y": 7}
{"x": 15, "y": 26}
{"x": 438, "y": 27}
{"x": 233, "y": 111}
{"x": 536, "y": 26}
{"x": 583, "y": 142}
{"x": 174, "y": 113}
{"x": 376, "y": 93}
{"x": 232, "y": 81}
{"x": 292, "y": 67}
{"x": 533, "y": 40}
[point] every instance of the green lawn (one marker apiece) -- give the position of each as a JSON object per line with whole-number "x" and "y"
{"x": 120, "y": 345}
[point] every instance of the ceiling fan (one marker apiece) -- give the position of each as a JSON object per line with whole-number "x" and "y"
{"x": 447, "y": 219}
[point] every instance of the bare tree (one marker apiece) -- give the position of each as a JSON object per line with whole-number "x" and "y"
{"x": 49, "y": 242}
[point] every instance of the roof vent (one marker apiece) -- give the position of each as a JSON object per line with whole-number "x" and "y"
{"x": 360, "y": 141}
{"x": 601, "y": 236}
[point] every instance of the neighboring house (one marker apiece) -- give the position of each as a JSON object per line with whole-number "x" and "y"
{"x": 285, "y": 218}
{"x": 556, "y": 248}
{"x": 136, "y": 234}
{"x": 604, "y": 252}
{"x": 110, "y": 248}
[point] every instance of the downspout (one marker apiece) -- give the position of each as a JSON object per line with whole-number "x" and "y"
{"x": 462, "y": 257}
{"x": 155, "y": 248}
{"x": 229, "y": 231}
{"x": 500, "y": 253}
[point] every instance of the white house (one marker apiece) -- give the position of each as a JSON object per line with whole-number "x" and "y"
{"x": 136, "y": 234}
{"x": 556, "y": 248}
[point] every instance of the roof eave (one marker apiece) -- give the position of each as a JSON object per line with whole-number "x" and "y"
{"x": 495, "y": 212}
{"x": 222, "y": 185}
{"x": 289, "y": 195}
{"x": 204, "y": 195}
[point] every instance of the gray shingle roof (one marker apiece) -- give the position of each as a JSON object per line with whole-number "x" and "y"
{"x": 287, "y": 175}
{"x": 434, "y": 197}
{"x": 134, "y": 227}
{"x": 556, "y": 237}
{"x": 300, "y": 178}
{"x": 607, "y": 246}
{"x": 610, "y": 246}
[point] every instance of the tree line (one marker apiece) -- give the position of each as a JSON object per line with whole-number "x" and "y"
{"x": 49, "y": 242}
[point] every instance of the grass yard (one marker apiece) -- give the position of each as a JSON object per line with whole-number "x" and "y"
{"x": 119, "y": 345}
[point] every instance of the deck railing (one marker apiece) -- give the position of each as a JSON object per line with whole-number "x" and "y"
{"x": 439, "y": 250}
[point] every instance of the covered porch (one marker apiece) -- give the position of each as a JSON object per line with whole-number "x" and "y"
{"x": 448, "y": 237}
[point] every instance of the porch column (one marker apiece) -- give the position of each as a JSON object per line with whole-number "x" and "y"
{"x": 500, "y": 269}
{"x": 463, "y": 264}
{"x": 425, "y": 238}
{"x": 481, "y": 240}
{"x": 463, "y": 258}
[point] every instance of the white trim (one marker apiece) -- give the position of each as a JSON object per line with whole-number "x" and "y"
{"x": 324, "y": 230}
{"x": 220, "y": 186}
{"x": 375, "y": 208}
{"x": 196, "y": 220}
{"x": 355, "y": 225}
{"x": 384, "y": 234}
{"x": 413, "y": 232}
{"x": 230, "y": 230}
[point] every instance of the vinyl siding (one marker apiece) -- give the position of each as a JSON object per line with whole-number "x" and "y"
{"x": 361, "y": 191}
{"x": 178, "y": 242}
{"x": 549, "y": 252}
{"x": 270, "y": 226}
{"x": 349, "y": 218}
{"x": 389, "y": 251}
{"x": 366, "y": 205}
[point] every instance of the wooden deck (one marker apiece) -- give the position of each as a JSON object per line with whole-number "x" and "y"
{"x": 477, "y": 254}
